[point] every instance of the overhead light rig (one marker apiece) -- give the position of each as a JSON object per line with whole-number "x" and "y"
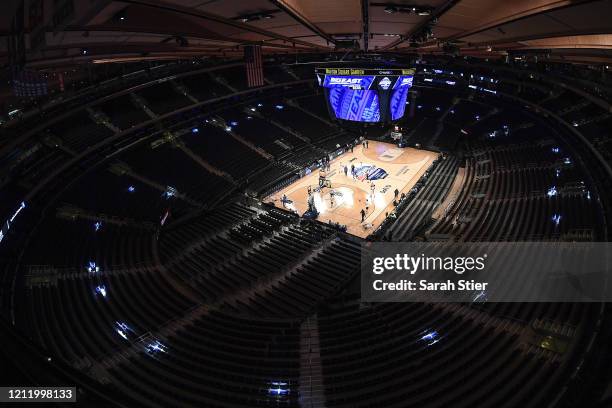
{"x": 262, "y": 15}
{"x": 391, "y": 8}
{"x": 424, "y": 34}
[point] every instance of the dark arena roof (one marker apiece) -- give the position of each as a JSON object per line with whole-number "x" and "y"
{"x": 306, "y": 203}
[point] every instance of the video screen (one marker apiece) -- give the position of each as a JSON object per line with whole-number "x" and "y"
{"x": 397, "y": 105}
{"x": 352, "y": 82}
{"x": 359, "y": 105}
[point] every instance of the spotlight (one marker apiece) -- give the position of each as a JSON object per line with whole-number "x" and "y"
{"x": 121, "y": 15}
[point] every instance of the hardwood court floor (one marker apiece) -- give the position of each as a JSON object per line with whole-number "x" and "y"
{"x": 403, "y": 166}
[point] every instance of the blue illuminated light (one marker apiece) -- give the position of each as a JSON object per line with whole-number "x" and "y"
{"x": 21, "y": 207}
{"x": 155, "y": 347}
{"x": 552, "y": 191}
{"x": 430, "y": 335}
{"x": 195, "y": 130}
{"x": 259, "y": 105}
{"x": 556, "y": 219}
{"x": 234, "y": 123}
{"x": 92, "y": 267}
{"x": 555, "y": 150}
{"x": 170, "y": 192}
{"x": 131, "y": 189}
{"x": 278, "y": 391}
{"x": 278, "y": 388}
{"x": 279, "y": 107}
{"x": 97, "y": 226}
{"x": 228, "y": 128}
{"x": 567, "y": 160}
{"x": 123, "y": 329}
{"x": 101, "y": 290}
{"x": 10, "y": 220}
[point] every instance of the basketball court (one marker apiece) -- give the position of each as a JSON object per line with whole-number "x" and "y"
{"x": 379, "y": 171}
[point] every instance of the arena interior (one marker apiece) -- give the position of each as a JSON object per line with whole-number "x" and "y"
{"x": 183, "y": 206}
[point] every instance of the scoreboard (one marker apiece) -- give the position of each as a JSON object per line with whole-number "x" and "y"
{"x": 365, "y": 94}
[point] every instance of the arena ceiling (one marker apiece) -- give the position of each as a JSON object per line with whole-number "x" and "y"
{"x": 74, "y": 31}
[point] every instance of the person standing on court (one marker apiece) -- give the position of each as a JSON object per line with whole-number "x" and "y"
{"x": 345, "y": 171}
{"x": 396, "y": 193}
{"x": 363, "y": 215}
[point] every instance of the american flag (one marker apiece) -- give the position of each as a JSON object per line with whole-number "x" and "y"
{"x": 29, "y": 83}
{"x": 253, "y": 65}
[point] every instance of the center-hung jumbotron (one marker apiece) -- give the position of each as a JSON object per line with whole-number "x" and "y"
{"x": 370, "y": 95}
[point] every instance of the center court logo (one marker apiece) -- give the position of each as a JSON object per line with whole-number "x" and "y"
{"x": 370, "y": 172}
